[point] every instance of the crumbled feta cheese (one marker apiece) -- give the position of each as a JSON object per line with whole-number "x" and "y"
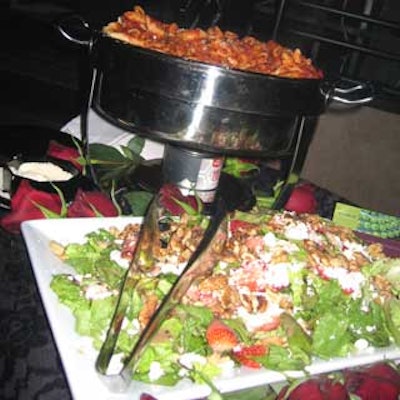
{"x": 271, "y": 241}
{"x": 254, "y": 321}
{"x": 361, "y": 344}
{"x": 227, "y": 367}
{"x": 187, "y": 360}
{"x": 350, "y": 281}
{"x": 115, "y": 256}
{"x": 370, "y": 329}
{"x": 172, "y": 268}
{"x": 156, "y": 371}
{"x": 131, "y": 327}
{"x": 349, "y": 248}
{"x": 97, "y": 292}
{"x": 277, "y": 276}
{"x": 298, "y": 231}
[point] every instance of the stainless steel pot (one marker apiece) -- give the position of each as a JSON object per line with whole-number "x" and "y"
{"x": 204, "y": 107}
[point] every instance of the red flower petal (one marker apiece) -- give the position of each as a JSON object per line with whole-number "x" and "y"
{"x": 24, "y": 206}
{"x": 91, "y": 204}
{"x": 322, "y": 388}
{"x": 71, "y": 154}
{"x": 168, "y": 195}
{"x": 368, "y": 387}
{"x": 302, "y": 200}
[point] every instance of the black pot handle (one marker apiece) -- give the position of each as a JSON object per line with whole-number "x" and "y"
{"x": 350, "y": 93}
{"x": 75, "y": 29}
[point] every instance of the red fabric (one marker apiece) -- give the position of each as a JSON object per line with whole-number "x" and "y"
{"x": 24, "y": 206}
{"x": 65, "y": 153}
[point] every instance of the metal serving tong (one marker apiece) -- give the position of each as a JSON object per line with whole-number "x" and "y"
{"x": 200, "y": 264}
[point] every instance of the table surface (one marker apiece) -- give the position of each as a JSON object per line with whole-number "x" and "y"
{"x": 29, "y": 363}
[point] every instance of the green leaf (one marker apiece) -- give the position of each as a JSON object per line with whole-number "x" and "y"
{"x": 114, "y": 200}
{"x": 136, "y": 144}
{"x": 280, "y": 359}
{"x": 46, "y": 212}
{"x": 392, "y": 315}
{"x": 101, "y": 153}
{"x": 186, "y": 207}
{"x": 138, "y": 201}
{"x": 331, "y": 337}
{"x": 131, "y": 155}
{"x": 236, "y": 167}
{"x": 299, "y": 341}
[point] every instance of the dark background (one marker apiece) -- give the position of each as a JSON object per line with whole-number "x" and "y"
{"x": 40, "y": 70}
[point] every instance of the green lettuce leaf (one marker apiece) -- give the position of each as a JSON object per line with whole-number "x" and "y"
{"x": 331, "y": 337}
{"x": 392, "y": 316}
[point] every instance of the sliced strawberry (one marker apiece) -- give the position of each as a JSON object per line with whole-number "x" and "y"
{"x": 245, "y": 355}
{"x": 220, "y": 337}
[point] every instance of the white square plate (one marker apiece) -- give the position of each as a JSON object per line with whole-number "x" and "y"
{"x": 77, "y": 354}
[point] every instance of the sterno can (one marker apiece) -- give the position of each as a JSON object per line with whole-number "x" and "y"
{"x": 193, "y": 172}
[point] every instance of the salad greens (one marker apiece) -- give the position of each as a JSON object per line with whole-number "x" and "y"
{"x": 325, "y": 321}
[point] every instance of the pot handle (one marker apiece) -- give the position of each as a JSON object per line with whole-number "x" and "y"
{"x": 349, "y": 92}
{"x": 75, "y": 29}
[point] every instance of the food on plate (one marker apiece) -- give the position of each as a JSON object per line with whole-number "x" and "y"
{"x": 211, "y": 46}
{"x": 288, "y": 288}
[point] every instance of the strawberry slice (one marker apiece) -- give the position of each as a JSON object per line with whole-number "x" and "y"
{"x": 245, "y": 355}
{"x": 221, "y": 337}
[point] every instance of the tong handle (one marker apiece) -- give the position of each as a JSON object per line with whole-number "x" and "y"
{"x": 141, "y": 260}
{"x": 200, "y": 264}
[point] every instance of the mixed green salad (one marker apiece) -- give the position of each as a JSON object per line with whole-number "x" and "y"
{"x": 288, "y": 288}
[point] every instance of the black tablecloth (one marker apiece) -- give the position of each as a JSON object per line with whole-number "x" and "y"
{"x": 29, "y": 364}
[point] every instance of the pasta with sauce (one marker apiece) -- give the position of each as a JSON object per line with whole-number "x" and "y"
{"x": 211, "y": 46}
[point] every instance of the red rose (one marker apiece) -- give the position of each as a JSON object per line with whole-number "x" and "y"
{"x": 146, "y": 396}
{"x": 25, "y": 205}
{"x": 384, "y": 371}
{"x": 169, "y": 194}
{"x": 302, "y": 200}
{"x": 71, "y": 154}
{"x": 378, "y": 382}
{"x": 91, "y": 204}
{"x": 323, "y": 388}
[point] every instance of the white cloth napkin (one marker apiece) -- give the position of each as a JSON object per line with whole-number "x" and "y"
{"x": 101, "y": 131}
